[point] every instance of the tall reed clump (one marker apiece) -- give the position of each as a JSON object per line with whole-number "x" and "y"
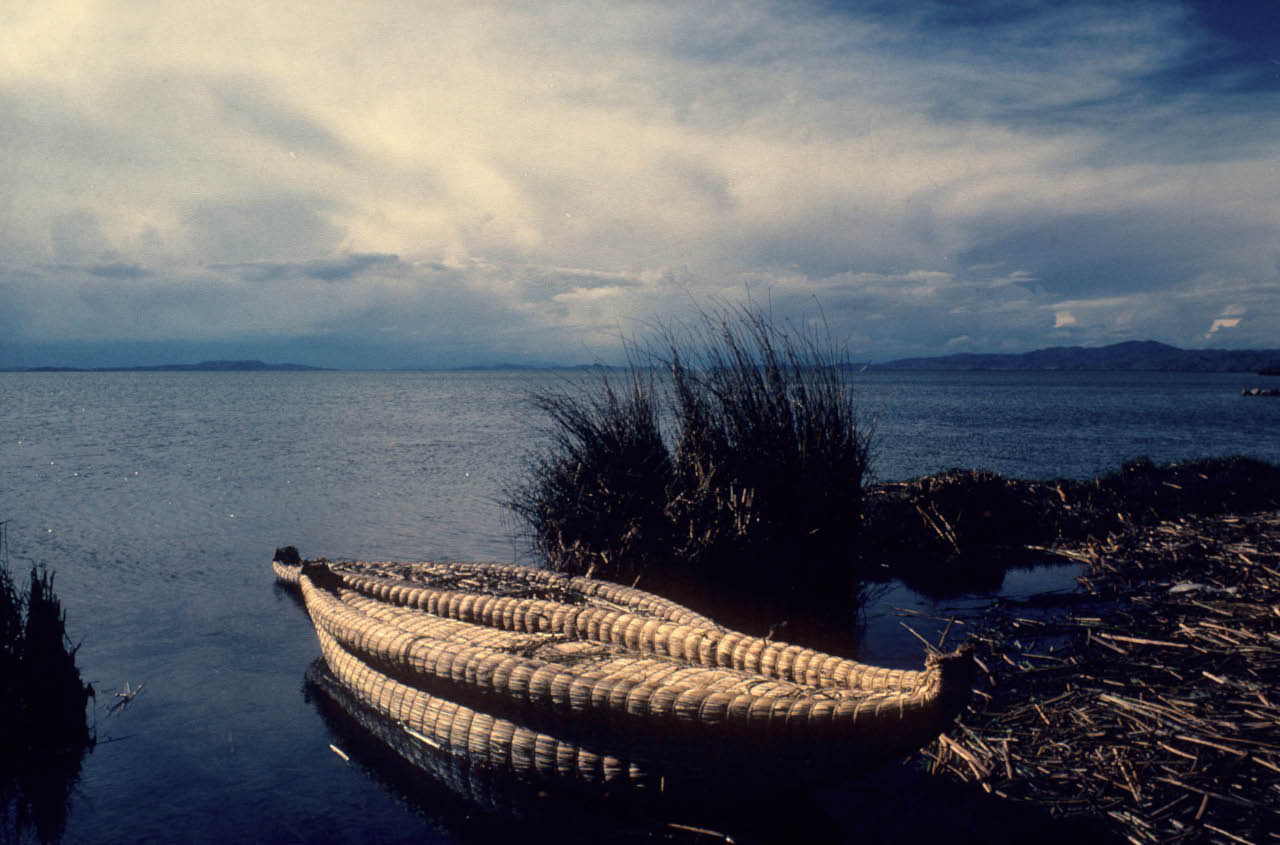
{"x": 595, "y": 501}
{"x": 733, "y": 462}
{"x": 770, "y": 456}
{"x": 44, "y": 732}
{"x": 42, "y": 696}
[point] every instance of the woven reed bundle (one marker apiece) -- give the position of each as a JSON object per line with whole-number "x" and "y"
{"x": 286, "y": 573}
{"x": 492, "y": 744}
{"x": 632, "y": 629}
{"x": 511, "y": 604}
{"x": 587, "y": 681}
{"x": 513, "y": 580}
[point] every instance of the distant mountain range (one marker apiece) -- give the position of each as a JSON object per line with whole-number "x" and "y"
{"x": 202, "y": 367}
{"x": 1132, "y": 355}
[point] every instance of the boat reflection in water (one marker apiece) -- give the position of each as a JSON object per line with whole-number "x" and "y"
{"x": 533, "y": 693}
{"x": 467, "y": 801}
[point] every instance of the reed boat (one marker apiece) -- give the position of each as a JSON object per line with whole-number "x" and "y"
{"x": 581, "y": 683}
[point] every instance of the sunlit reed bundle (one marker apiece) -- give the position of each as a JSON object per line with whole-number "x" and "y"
{"x": 525, "y": 667}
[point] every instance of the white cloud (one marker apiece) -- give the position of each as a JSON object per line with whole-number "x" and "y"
{"x": 1222, "y": 323}
{"x": 1230, "y": 319}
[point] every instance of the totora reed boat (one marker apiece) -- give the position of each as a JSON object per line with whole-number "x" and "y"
{"x": 577, "y": 683}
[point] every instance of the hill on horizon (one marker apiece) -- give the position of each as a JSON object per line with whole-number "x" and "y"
{"x": 1130, "y": 355}
{"x": 202, "y": 367}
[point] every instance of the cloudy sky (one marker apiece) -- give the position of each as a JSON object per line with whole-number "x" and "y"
{"x": 427, "y": 183}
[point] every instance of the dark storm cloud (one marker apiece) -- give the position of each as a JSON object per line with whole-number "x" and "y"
{"x": 1162, "y": 81}
{"x": 1118, "y": 252}
{"x": 118, "y": 270}
{"x": 1240, "y": 53}
{"x": 329, "y": 270}
{"x": 345, "y": 268}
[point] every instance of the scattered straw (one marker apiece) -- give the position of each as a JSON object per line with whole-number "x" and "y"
{"x": 1149, "y": 700}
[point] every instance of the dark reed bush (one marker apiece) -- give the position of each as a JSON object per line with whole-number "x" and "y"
{"x": 1236, "y": 484}
{"x": 596, "y": 501}
{"x": 770, "y": 457}
{"x": 733, "y": 461}
{"x": 41, "y": 692}
{"x": 44, "y": 732}
{"x": 12, "y": 638}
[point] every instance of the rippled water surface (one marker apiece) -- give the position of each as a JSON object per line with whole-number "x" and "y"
{"x": 157, "y": 498}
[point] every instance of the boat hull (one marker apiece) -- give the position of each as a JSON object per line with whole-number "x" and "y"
{"x": 604, "y": 690}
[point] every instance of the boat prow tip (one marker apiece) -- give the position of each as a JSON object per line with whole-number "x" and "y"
{"x": 956, "y": 670}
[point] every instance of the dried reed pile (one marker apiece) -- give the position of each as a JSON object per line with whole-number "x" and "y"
{"x": 1152, "y": 700}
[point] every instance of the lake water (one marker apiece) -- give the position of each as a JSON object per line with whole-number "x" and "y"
{"x": 157, "y": 498}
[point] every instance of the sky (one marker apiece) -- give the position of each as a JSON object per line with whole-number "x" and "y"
{"x": 419, "y": 183}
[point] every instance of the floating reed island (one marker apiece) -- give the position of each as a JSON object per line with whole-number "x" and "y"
{"x": 1151, "y": 698}
{"x": 582, "y": 684}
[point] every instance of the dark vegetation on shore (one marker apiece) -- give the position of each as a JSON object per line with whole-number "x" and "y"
{"x": 958, "y": 530}
{"x": 44, "y": 732}
{"x": 714, "y": 461}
